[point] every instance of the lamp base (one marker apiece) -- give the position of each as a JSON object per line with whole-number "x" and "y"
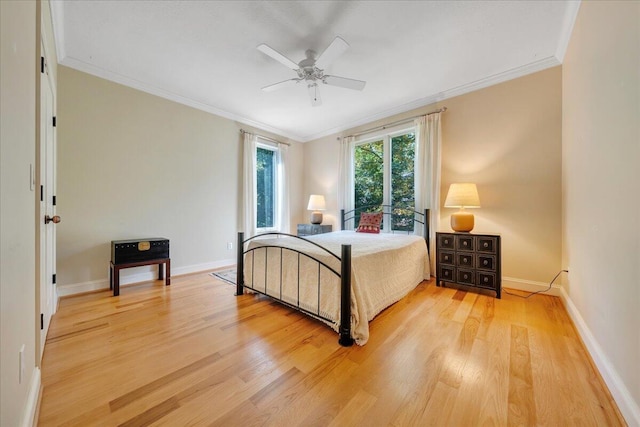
{"x": 316, "y": 218}
{"x": 462, "y": 221}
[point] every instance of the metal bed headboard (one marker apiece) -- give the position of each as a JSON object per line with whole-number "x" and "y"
{"x": 388, "y": 213}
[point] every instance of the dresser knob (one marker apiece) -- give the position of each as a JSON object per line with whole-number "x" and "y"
{"x": 486, "y": 262}
{"x": 486, "y": 245}
{"x": 486, "y": 279}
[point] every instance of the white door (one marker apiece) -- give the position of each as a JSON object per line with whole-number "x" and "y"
{"x": 48, "y": 219}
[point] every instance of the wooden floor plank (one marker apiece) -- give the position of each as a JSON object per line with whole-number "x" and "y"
{"x": 354, "y": 410}
{"x": 521, "y": 399}
{"x": 195, "y": 354}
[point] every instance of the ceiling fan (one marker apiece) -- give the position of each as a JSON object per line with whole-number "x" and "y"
{"x": 311, "y": 70}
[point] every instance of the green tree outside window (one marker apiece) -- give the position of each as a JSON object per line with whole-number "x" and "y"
{"x": 369, "y": 185}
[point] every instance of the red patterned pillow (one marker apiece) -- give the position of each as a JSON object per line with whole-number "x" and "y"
{"x": 370, "y": 222}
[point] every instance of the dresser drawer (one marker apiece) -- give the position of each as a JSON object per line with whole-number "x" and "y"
{"x": 465, "y": 243}
{"x": 486, "y": 262}
{"x": 445, "y": 257}
{"x": 466, "y": 277}
{"x": 446, "y": 241}
{"x": 487, "y": 244}
{"x": 446, "y": 273}
{"x": 486, "y": 280}
{"x": 464, "y": 260}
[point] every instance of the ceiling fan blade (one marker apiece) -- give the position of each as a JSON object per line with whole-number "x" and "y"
{"x": 314, "y": 94}
{"x": 277, "y": 56}
{"x": 280, "y": 85}
{"x": 335, "y": 49}
{"x": 344, "y": 82}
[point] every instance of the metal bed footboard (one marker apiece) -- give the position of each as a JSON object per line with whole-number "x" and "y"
{"x": 344, "y": 275}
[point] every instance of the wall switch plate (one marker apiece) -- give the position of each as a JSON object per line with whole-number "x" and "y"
{"x": 229, "y": 246}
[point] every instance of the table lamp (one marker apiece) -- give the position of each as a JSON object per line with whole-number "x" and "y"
{"x": 316, "y": 204}
{"x": 462, "y": 195}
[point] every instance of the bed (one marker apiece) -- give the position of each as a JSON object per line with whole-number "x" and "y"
{"x": 344, "y": 278}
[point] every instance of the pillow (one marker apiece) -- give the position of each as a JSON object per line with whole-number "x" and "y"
{"x": 370, "y": 222}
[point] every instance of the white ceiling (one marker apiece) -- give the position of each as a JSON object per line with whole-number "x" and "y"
{"x": 413, "y": 53}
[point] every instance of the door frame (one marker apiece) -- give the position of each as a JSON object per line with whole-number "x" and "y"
{"x": 45, "y": 288}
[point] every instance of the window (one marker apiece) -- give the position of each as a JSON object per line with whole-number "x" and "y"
{"x": 266, "y": 183}
{"x": 384, "y": 175}
{"x": 265, "y": 186}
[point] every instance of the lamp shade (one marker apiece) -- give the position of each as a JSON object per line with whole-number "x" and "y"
{"x": 316, "y": 203}
{"x": 462, "y": 195}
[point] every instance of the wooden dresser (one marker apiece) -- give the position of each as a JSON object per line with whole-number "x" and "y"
{"x": 469, "y": 259}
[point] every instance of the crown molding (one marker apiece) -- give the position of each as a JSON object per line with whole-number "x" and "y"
{"x": 504, "y": 76}
{"x": 57, "y": 13}
{"x": 144, "y": 87}
{"x": 421, "y": 102}
{"x": 570, "y": 15}
{"x": 57, "y": 16}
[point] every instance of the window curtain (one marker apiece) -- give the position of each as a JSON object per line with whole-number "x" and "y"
{"x": 283, "y": 222}
{"x": 427, "y": 174}
{"x": 249, "y": 185}
{"x": 346, "y": 177}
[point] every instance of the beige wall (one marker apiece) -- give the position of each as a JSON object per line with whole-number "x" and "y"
{"x": 601, "y": 197}
{"x": 132, "y": 165}
{"x": 17, "y": 210}
{"x": 507, "y": 139}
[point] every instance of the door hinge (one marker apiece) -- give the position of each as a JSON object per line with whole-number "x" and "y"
{"x": 42, "y": 64}
{"x": 54, "y": 200}
{"x": 41, "y": 321}
{"x": 54, "y": 121}
{"x": 42, "y": 193}
{"x": 53, "y": 278}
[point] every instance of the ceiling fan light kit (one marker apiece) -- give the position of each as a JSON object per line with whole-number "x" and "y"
{"x": 311, "y": 70}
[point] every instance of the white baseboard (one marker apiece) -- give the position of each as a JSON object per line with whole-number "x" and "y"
{"x": 628, "y": 407}
{"x": 29, "y": 414}
{"x": 127, "y": 279}
{"x": 530, "y": 286}
{"x": 78, "y": 288}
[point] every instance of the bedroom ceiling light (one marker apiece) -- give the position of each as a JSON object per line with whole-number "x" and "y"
{"x": 316, "y": 204}
{"x": 462, "y": 195}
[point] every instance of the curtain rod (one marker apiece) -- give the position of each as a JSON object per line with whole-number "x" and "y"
{"x": 399, "y": 122}
{"x": 242, "y": 131}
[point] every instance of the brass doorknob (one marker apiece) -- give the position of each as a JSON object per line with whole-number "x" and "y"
{"x": 55, "y": 219}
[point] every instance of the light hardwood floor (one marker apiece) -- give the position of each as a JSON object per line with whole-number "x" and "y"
{"x": 194, "y": 354}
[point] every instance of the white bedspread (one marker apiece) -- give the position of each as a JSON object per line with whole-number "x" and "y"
{"x": 385, "y": 267}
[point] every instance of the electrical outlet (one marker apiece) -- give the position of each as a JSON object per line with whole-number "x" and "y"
{"x": 21, "y": 365}
{"x": 229, "y": 246}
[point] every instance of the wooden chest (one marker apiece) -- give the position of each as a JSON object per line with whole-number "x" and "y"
{"x": 469, "y": 259}
{"x": 139, "y": 250}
